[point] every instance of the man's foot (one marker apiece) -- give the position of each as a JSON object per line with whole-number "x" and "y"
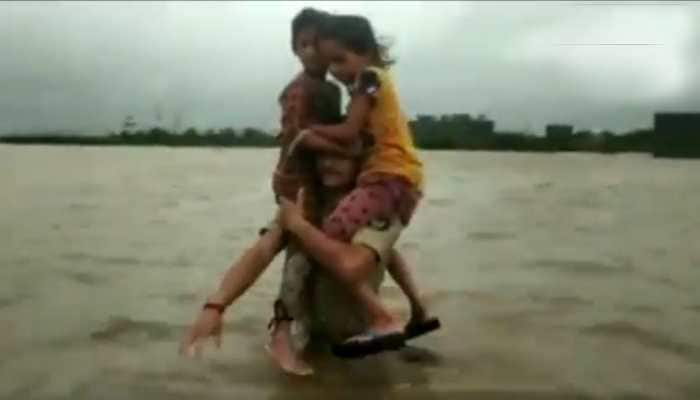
{"x": 280, "y": 350}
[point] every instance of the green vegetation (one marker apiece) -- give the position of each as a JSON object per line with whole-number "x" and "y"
{"x": 449, "y": 132}
{"x": 227, "y": 137}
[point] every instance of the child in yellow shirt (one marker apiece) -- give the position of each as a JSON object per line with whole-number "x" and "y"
{"x": 390, "y": 183}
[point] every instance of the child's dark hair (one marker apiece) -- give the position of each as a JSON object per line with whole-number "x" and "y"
{"x": 356, "y": 34}
{"x": 307, "y": 18}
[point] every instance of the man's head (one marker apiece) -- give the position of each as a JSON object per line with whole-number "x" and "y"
{"x": 336, "y": 172}
{"x": 339, "y": 172}
{"x": 305, "y": 26}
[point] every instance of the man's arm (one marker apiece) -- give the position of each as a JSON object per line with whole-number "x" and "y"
{"x": 350, "y": 262}
{"x": 323, "y": 144}
{"x": 239, "y": 277}
{"x": 247, "y": 269}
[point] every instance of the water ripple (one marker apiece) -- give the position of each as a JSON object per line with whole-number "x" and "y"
{"x": 85, "y": 278}
{"x": 649, "y": 339}
{"x": 491, "y": 236}
{"x": 98, "y": 259}
{"x": 564, "y": 301}
{"x": 441, "y": 203}
{"x": 123, "y": 327}
{"x": 578, "y": 266}
{"x": 6, "y": 302}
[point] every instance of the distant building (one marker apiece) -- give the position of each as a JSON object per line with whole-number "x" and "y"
{"x": 456, "y": 118}
{"x": 676, "y": 135}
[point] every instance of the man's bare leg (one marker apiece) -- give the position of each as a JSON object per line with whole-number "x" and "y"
{"x": 291, "y": 307}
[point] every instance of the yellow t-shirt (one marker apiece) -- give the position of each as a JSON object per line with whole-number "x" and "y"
{"x": 394, "y": 152}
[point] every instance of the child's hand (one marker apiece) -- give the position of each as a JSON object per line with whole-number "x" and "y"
{"x": 208, "y": 324}
{"x": 295, "y": 143}
{"x": 291, "y": 213}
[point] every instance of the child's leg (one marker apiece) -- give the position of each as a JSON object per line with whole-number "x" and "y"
{"x": 421, "y": 322}
{"x": 401, "y": 274}
{"x": 362, "y": 205}
{"x": 381, "y": 320}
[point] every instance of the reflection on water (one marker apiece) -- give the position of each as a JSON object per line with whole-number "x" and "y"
{"x": 556, "y": 277}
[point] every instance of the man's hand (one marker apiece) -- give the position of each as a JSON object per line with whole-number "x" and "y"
{"x": 208, "y": 324}
{"x": 291, "y": 214}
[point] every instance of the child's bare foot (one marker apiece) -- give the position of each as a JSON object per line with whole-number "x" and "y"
{"x": 387, "y": 326}
{"x": 379, "y": 331}
{"x": 381, "y": 335}
{"x": 280, "y": 350}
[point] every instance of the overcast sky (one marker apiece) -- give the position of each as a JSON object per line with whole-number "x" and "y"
{"x": 595, "y": 64}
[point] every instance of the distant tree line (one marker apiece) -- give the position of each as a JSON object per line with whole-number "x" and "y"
{"x": 448, "y": 132}
{"x": 227, "y": 137}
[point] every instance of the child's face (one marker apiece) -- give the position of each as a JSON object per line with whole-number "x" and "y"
{"x": 336, "y": 172}
{"x": 344, "y": 64}
{"x": 306, "y": 49}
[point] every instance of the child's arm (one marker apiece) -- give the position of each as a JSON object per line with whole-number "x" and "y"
{"x": 246, "y": 270}
{"x": 323, "y": 144}
{"x": 346, "y": 132}
{"x": 364, "y": 94}
{"x": 350, "y": 262}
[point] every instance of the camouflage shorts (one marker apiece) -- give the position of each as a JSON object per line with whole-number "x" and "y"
{"x": 317, "y": 302}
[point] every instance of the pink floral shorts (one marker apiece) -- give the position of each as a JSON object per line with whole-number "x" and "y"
{"x": 375, "y": 202}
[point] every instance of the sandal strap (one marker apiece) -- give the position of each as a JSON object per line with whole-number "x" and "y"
{"x": 280, "y": 314}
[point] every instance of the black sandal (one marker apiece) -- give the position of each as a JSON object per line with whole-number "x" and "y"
{"x": 415, "y": 329}
{"x": 376, "y": 343}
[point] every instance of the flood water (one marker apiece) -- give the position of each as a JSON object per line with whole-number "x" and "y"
{"x": 556, "y": 276}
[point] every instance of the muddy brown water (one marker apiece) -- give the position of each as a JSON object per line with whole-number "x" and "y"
{"x": 556, "y": 276}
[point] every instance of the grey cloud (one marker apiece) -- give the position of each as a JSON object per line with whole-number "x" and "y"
{"x": 87, "y": 65}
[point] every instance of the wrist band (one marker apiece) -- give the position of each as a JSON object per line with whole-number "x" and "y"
{"x": 215, "y": 306}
